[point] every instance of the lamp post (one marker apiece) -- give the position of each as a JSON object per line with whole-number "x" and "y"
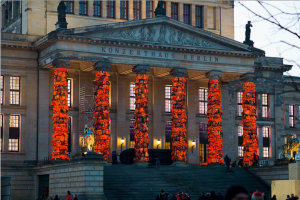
{"x": 193, "y": 144}
{"x": 158, "y": 143}
{"x": 122, "y": 142}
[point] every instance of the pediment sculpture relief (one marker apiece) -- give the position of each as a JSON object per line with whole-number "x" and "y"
{"x": 158, "y": 34}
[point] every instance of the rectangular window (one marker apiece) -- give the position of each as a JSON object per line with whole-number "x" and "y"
{"x": 69, "y": 92}
{"x": 291, "y": 116}
{"x": 240, "y": 151}
{"x": 186, "y": 14}
{"x": 14, "y": 90}
{"x": 168, "y": 99}
{"x": 110, "y": 7}
{"x": 168, "y": 145}
{"x": 240, "y": 131}
{"x": 131, "y": 129}
{"x": 2, "y": 88}
{"x": 14, "y": 133}
{"x": 265, "y": 110}
{"x": 203, "y": 101}
{"x": 203, "y": 132}
{"x": 132, "y": 144}
{"x": 136, "y": 10}
{"x": 198, "y": 16}
{"x": 70, "y": 6}
{"x": 97, "y": 8}
{"x": 124, "y": 9}
{"x": 265, "y": 130}
{"x": 239, "y": 104}
{"x": 149, "y": 9}
{"x": 168, "y": 133}
{"x": 83, "y": 7}
{"x": 265, "y": 152}
{"x": 174, "y": 11}
{"x": 1, "y": 126}
{"x": 132, "y": 97}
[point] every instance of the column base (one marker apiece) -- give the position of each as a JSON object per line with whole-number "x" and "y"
{"x": 141, "y": 164}
{"x": 180, "y": 164}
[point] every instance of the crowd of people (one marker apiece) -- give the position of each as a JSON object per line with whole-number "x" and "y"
{"x": 69, "y": 197}
{"x": 292, "y": 197}
{"x": 234, "y": 192}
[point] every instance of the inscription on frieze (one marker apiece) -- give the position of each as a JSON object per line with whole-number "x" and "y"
{"x": 158, "y": 33}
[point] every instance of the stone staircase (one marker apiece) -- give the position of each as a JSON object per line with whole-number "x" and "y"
{"x": 133, "y": 182}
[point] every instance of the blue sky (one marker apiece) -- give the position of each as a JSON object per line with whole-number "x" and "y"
{"x": 268, "y": 37}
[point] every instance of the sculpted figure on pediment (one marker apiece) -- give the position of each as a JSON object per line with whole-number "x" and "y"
{"x": 162, "y": 34}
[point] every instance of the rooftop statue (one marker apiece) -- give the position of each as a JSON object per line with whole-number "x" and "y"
{"x": 247, "y": 34}
{"x": 291, "y": 146}
{"x": 160, "y": 11}
{"x": 61, "y": 10}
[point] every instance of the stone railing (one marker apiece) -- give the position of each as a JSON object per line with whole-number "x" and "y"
{"x": 266, "y": 162}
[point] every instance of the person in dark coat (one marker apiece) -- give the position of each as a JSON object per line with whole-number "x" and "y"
{"x": 157, "y": 159}
{"x": 236, "y": 192}
{"x": 255, "y": 160}
{"x": 173, "y": 197}
{"x": 220, "y": 196}
{"x": 240, "y": 163}
{"x": 227, "y": 163}
{"x": 186, "y": 197}
{"x": 56, "y": 197}
{"x": 202, "y": 197}
{"x": 75, "y": 197}
{"x": 273, "y": 197}
{"x": 161, "y": 195}
{"x": 213, "y": 196}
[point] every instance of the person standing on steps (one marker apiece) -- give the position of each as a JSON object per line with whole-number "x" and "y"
{"x": 75, "y": 197}
{"x": 69, "y": 196}
{"x": 162, "y": 196}
{"x": 227, "y": 163}
{"x": 157, "y": 159}
{"x": 202, "y": 197}
{"x": 236, "y": 192}
{"x": 220, "y": 196}
{"x": 213, "y": 196}
{"x": 273, "y": 197}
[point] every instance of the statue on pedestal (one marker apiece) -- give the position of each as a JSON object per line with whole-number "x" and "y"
{"x": 160, "y": 10}
{"x": 292, "y": 145}
{"x": 61, "y": 10}
{"x": 247, "y": 34}
{"x": 88, "y": 139}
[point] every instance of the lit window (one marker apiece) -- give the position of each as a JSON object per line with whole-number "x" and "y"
{"x": 240, "y": 131}
{"x": 198, "y": 16}
{"x": 291, "y": 116}
{"x": 124, "y": 9}
{"x": 149, "y": 9}
{"x": 168, "y": 145}
{"x": 168, "y": 133}
{"x": 97, "y": 8}
{"x": 70, "y": 6}
{"x": 265, "y": 152}
{"x": 83, "y": 7}
{"x": 174, "y": 11}
{"x": 203, "y": 132}
{"x": 14, "y": 133}
{"x": 265, "y": 130}
{"x": 69, "y": 92}
{"x": 203, "y": 101}
{"x": 15, "y": 90}
{"x": 186, "y": 14}
{"x": 110, "y": 7}
{"x": 241, "y": 151}
{"x": 265, "y": 106}
{"x": 2, "y": 88}
{"x": 168, "y": 99}
{"x": 132, "y": 144}
{"x": 136, "y": 10}
{"x": 239, "y": 104}
{"x": 132, "y": 97}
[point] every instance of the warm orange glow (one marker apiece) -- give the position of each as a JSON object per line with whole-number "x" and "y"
{"x": 60, "y": 115}
{"x": 141, "y": 117}
{"x": 101, "y": 115}
{"x": 178, "y": 118}
{"x": 249, "y": 123}
{"x": 214, "y": 126}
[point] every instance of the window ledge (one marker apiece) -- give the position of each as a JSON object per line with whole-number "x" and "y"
{"x": 13, "y": 106}
{"x": 19, "y": 153}
{"x": 201, "y": 115}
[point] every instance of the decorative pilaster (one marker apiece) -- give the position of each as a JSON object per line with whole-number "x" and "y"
{"x": 178, "y": 117}
{"x": 101, "y": 113}
{"x": 249, "y": 123}
{"x": 60, "y": 111}
{"x": 214, "y": 115}
{"x": 141, "y": 116}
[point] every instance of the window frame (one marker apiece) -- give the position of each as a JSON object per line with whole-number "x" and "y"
{"x": 199, "y": 17}
{"x": 240, "y": 131}
{"x": 72, "y": 7}
{"x": 83, "y": 3}
{"x": 240, "y": 104}
{"x": 241, "y": 151}
{"x": 10, "y": 140}
{"x": 173, "y": 14}
{"x": 168, "y": 101}
{"x": 187, "y": 16}
{"x": 292, "y": 116}
{"x": 265, "y": 131}
{"x": 202, "y": 102}
{"x": 265, "y": 105}
{"x": 125, "y": 10}
{"x": 113, "y": 6}
{"x": 266, "y": 152}
{"x": 136, "y": 9}
{"x": 2, "y": 89}
{"x": 132, "y": 97}
{"x": 14, "y": 90}
{"x": 69, "y": 97}
{"x": 149, "y": 11}
{"x": 97, "y": 7}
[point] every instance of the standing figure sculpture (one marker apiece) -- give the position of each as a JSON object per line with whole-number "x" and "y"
{"x": 89, "y": 139}
{"x": 291, "y": 146}
{"x": 247, "y": 34}
{"x": 160, "y": 10}
{"x": 61, "y": 10}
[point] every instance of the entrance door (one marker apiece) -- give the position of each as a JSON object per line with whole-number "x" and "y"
{"x": 44, "y": 186}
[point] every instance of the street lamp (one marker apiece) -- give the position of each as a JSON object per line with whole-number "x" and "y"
{"x": 122, "y": 142}
{"x": 158, "y": 143}
{"x": 193, "y": 144}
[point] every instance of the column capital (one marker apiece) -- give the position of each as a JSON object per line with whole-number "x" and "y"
{"x": 214, "y": 74}
{"x": 178, "y": 72}
{"x": 60, "y": 63}
{"x": 141, "y": 69}
{"x": 102, "y": 66}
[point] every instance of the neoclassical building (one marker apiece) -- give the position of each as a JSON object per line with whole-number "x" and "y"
{"x": 195, "y": 36}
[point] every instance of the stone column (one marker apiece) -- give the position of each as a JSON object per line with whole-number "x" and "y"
{"x": 272, "y": 143}
{"x": 260, "y": 142}
{"x": 5, "y": 133}
{"x": 259, "y": 106}
{"x": 168, "y": 8}
{"x": 90, "y": 8}
{"x": 130, "y": 10}
{"x": 103, "y": 9}
{"x": 143, "y": 9}
{"x": 297, "y": 125}
{"x": 179, "y": 117}
{"x": 204, "y": 17}
{"x": 217, "y": 19}
{"x": 117, "y": 13}
{"x": 287, "y": 124}
{"x": 76, "y": 7}
{"x": 141, "y": 115}
{"x": 122, "y": 92}
{"x": 6, "y": 98}
{"x": 193, "y": 14}
{"x": 272, "y": 105}
{"x": 214, "y": 114}
{"x": 180, "y": 12}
